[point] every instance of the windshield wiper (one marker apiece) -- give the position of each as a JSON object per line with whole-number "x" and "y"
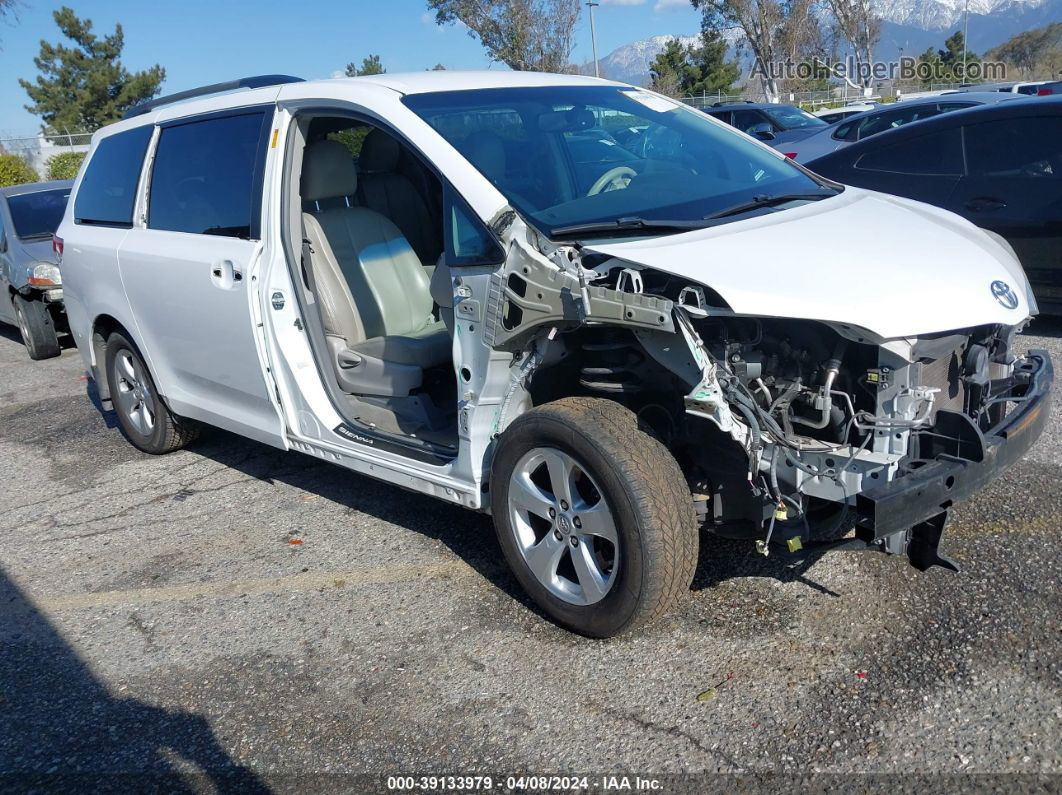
{"x": 631, "y": 222}
{"x": 765, "y": 200}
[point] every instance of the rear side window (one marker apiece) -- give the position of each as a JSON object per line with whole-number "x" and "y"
{"x": 107, "y": 192}
{"x": 1029, "y": 146}
{"x": 37, "y": 214}
{"x": 207, "y": 176}
{"x": 937, "y": 154}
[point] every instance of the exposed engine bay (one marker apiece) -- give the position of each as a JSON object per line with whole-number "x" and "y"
{"x": 779, "y": 424}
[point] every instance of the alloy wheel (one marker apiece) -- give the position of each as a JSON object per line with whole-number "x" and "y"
{"x": 564, "y": 528}
{"x": 134, "y": 397}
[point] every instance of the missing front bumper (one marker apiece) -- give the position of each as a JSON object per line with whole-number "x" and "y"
{"x": 929, "y": 491}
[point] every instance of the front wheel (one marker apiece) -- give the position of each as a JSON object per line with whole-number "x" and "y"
{"x": 37, "y": 327}
{"x": 593, "y": 515}
{"x": 145, "y": 420}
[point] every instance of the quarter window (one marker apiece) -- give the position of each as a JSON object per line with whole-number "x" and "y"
{"x": 467, "y": 241}
{"x": 108, "y": 190}
{"x": 206, "y": 178}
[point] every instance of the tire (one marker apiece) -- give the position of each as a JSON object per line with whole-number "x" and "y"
{"x": 606, "y": 581}
{"x": 37, "y": 327}
{"x": 142, "y": 415}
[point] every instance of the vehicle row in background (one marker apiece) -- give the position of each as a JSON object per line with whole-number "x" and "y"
{"x": 882, "y": 118}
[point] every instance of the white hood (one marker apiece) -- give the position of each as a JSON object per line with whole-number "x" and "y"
{"x": 892, "y": 266}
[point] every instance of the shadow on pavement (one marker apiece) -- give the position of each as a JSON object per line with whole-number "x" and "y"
{"x": 1045, "y": 326}
{"x": 10, "y": 332}
{"x": 63, "y": 730}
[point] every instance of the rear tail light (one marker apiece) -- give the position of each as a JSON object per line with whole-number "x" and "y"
{"x": 1044, "y": 92}
{"x": 790, "y": 155}
{"x": 57, "y": 246}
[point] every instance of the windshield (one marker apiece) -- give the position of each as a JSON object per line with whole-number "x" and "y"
{"x": 789, "y": 118}
{"x": 38, "y": 214}
{"x": 567, "y": 156}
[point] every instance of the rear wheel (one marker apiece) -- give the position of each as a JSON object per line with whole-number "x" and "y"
{"x": 594, "y": 516}
{"x": 37, "y": 327}
{"x": 145, "y": 420}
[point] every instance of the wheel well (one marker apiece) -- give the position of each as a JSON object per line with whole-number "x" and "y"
{"x": 102, "y": 328}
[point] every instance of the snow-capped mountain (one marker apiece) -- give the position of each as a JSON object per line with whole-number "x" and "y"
{"x": 908, "y": 26}
{"x": 942, "y": 14}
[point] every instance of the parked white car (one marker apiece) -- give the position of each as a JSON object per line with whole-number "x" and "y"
{"x": 432, "y": 279}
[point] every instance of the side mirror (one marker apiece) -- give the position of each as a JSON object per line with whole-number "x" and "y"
{"x": 764, "y": 131}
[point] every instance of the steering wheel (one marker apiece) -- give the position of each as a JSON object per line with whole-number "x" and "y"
{"x": 614, "y": 179}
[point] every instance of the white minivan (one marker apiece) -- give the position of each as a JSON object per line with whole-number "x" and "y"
{"x": 602, "y": 316}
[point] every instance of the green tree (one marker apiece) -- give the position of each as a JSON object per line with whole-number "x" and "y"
{"x": 65, "y": 165}
{"x": 369, "y": 66}
{"x": 710, "y": 71}
{"x": 680, "y": 69}
{"x": 668, "y": 71}
{"x": 86, "y": 86}
{"x": 14, "y": 170}
{"x": 947, "y": 64}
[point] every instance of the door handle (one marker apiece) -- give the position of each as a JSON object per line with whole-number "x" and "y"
{"x": 985, "y": 203}
{"x": 225, "y": 274}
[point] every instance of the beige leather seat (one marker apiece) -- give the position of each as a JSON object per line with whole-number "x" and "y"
{"x": 372, "y": 290}
{"x": 393, "y": 194}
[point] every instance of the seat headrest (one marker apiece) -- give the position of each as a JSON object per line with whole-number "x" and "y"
{"x": 328, "y": 171}
{"x": 486, "y": 151}
{"x": 379, "y": 153}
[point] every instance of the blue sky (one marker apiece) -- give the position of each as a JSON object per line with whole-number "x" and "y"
{"x": 204, "y": 42}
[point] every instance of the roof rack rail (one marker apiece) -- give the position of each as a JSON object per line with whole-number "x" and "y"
{"x": 258, "y": 81}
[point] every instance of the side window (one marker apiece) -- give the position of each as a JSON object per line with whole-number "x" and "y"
{"x": 722, "y": 115}
{"x": 744, "y": 119}
{"x": 108, "y": 190}
{"x": 206, "y": 179}
{"x": 847, "y": 132}
{"x": 1023, "y": 147}
{"x": 887, "y": 121}
{"x": 938, "y": 153}
{"x": 468, "y": 242}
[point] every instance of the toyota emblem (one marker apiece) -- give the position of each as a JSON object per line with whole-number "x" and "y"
{"x": 1007, "y": 297}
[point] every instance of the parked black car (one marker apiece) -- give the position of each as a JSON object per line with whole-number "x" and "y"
{"x": 772, "y": 123}
{"x": 1000, "y": 166}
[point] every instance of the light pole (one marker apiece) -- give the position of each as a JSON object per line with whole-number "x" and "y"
{"x": 593, "y": 35}
{"x": 965, "y": 40}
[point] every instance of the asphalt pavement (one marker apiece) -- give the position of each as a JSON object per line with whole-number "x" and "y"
{"x": 235, "y": 617}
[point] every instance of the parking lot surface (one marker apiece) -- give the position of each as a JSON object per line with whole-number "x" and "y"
{"x": 234, "y": 610}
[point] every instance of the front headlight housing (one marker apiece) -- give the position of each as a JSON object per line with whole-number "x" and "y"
{"x": 45, "y": 275}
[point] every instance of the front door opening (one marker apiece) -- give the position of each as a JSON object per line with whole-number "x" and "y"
{"x": 371, "y": 227}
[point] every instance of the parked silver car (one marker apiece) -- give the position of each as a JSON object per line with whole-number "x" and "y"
{"x": 32, "y": 289}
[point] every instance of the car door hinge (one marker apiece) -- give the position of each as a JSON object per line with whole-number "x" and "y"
{"x": 298, "y": 323}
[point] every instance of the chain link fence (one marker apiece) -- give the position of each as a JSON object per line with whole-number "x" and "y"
{"x": 38, "y": 149}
